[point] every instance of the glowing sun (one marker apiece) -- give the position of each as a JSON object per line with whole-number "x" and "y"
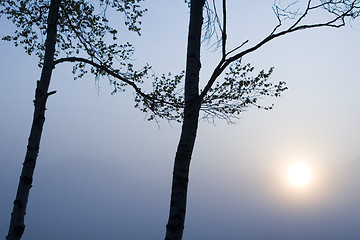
{"x": 299, "y": 174}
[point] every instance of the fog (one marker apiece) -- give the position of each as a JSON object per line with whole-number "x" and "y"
{"x": 104, "y": 172}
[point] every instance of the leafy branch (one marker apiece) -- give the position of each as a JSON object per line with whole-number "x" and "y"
{"x": 216, "y": 106}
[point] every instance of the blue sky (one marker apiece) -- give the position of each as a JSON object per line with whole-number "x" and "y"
{"x": 105, "y": 172}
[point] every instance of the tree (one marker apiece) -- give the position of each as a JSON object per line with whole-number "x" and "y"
{"x": 236, "y": 91}
{"x": 73, "y": 29}
{"x": 17, "y": 226}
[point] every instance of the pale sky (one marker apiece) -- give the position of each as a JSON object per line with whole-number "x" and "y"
{"x": 104, "y": 172}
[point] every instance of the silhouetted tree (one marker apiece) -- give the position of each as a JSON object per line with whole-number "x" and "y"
{"x": 227, "y": 98}
{"x": 17, "y": 226}
{"x": 73, "y": 29}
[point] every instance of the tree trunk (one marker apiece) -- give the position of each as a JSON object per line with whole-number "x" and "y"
{"x": 175, "y": 226}
{"x": 17, "y": 225}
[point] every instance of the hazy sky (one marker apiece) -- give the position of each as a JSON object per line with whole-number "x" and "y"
{"x": 103, "y": 172}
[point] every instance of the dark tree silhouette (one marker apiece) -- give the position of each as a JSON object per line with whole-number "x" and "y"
{"x": 17, "y": 226}
{"x": 236, "y": 91}
{"x": 73, "y": 29}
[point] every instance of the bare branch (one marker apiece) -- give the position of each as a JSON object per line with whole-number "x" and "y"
{"x": 238, "y": 47}
{"x": 216, "y": 73}
{"x": 302, "y": 16}
{"x": 211, "y": 25}
{"x": 338, "y": 8}
{"x": 224, "y": 31}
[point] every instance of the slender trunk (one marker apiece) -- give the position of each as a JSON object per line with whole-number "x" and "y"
{"x": 17, "y": 225}
{"x": 175, "y": 226}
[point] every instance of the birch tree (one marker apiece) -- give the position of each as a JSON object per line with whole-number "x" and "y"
{"x": 227, "y": 97}
{"x": 75, "y": 32}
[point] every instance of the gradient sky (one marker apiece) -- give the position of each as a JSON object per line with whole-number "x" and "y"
{"x": 104, "y": 172}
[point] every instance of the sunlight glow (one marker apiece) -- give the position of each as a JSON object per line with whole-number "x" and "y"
{"x": 299, "y": 174}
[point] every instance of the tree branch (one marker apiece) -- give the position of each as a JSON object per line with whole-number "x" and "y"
{"x": 150, "y": 101}
{"x": 83, "y": 41}
{"x": 293, "y": 28}
{"x": 224, "y": 31}
{"x": 102, "y": 68}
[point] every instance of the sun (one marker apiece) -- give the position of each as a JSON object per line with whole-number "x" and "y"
{"x": 299, "y": 174}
